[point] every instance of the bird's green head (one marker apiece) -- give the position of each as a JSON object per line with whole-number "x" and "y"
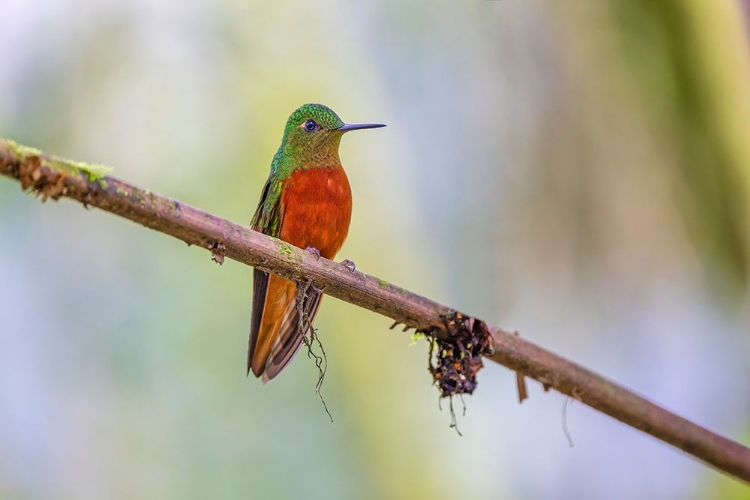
{"x": 312, "y": 136}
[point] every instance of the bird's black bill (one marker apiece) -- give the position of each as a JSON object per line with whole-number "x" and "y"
{"x": 359, "y": 126}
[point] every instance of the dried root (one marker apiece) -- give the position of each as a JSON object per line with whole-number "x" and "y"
{"x": 217, "y": 252}
{"x": 307, "y": 296}
{"x": 456, "y": 358}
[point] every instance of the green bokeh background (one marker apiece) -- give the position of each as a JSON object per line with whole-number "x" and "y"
{"x": 579, "y": 171}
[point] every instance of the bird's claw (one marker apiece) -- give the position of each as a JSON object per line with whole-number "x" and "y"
{"x": 350, "y": 265}
{"x": 314, "y": 251}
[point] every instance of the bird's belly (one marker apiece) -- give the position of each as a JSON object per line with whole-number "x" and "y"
{"x": 317, "y": 209}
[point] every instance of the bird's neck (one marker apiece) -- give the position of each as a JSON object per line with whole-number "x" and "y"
{"x": 286, "y": 162}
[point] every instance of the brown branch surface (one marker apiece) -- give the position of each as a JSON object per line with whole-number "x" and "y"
{"x": 52, "y": 177}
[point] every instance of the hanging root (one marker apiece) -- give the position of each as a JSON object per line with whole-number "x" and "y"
{"x": 306, "y": 296}
{"x": 565, "y": 420}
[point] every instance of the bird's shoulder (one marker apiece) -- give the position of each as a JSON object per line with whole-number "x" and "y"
{"x": 268, "y": 215}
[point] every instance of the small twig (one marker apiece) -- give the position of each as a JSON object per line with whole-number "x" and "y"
{"x": 523, "y": 393}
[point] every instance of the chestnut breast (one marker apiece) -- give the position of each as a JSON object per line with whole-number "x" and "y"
{"x": 316, "y": 209}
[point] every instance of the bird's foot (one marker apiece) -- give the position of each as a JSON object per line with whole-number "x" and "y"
{"x": 350, "y": 265}
{"x": 314, "y": 251}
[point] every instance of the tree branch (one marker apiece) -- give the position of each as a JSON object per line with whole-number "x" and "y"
{"x": 52, "y": 177}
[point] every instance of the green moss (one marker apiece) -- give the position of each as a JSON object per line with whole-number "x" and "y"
{"x": 382, "y": 283}
{"x": 93, "y": 172}
{"x": 416, "y": 337}
{"x": 286, "y": 250}
{"x": 21, "y": 150}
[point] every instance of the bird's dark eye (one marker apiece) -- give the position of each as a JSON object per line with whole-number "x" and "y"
{"x": 311, "y": 126}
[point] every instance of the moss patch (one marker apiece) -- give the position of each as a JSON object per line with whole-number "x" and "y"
{"x": 93, "y": 172}
{"x": 286, "y": 250}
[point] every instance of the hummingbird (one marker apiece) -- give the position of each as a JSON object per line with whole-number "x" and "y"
{"x": 307, "y": 202}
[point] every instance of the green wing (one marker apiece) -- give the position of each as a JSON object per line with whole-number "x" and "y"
{"x": 267, "y": 218}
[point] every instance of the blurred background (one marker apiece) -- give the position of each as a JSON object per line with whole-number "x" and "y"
{"x": 577, "y": 171}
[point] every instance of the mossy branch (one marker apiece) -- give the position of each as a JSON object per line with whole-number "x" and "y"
{"x": 461, "y": 339}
